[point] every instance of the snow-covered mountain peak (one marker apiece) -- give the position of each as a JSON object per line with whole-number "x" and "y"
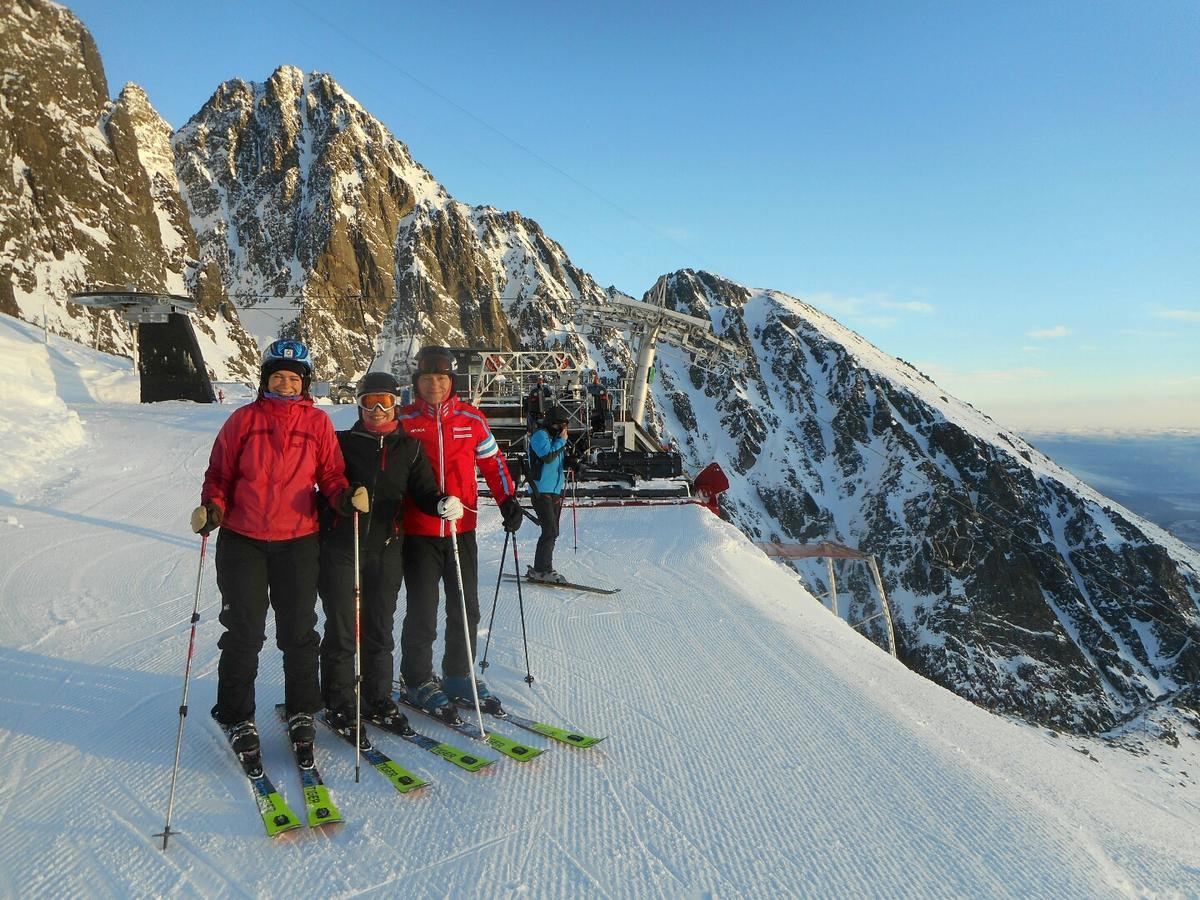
{"x": 1014, "y": 584}
{"x": 86, "y": 192}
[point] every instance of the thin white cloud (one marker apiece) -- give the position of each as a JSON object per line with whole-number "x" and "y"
{"x": 943, "y": 375}
{"x": 1006, "y": 376}
{"x": 678, "y": 233}
{"x": 1178, "y": 315}
{"x": 1058, "y": 331}
{"x": 915, "y": 306}
{"x": 879, "y": 310}
{"x": 1148, "y": 333}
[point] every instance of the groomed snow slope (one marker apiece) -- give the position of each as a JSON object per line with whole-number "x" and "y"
{"x": 757, "y": 746}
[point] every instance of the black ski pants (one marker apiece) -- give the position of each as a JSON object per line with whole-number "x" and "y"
{"x": 381, "y": 576}
{"x": 253, "y": 575}
{"x": 548, "y": 509}
{"x": 428, "y": 561}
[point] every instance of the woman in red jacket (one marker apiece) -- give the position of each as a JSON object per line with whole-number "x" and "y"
{"x": 259, "y": 490}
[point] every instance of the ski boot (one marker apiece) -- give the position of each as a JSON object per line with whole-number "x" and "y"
{"x": 458, "y": 689}
{"x": 302, "y": 731}
{"x": 243, "y": 738}
{"x": 550, "y": 576}
{"x": 431, "y": 698}
{"x": 386, "y": 714}
{"x": 342, "y": 721}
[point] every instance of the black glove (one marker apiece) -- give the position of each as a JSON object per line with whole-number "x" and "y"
{"x": 353, "y": 499}
{"x": 206, "y": 518}
{"x": 510, "y": 509}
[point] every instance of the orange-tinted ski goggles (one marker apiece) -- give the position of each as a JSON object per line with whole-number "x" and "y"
{"x": 383, "y": 400}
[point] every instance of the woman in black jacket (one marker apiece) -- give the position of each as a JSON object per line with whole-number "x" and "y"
{"x": 391, "y": 465}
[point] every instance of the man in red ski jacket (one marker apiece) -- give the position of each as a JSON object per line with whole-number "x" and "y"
{"x": 457, "y": 440}
{"x": 259, "y": 490}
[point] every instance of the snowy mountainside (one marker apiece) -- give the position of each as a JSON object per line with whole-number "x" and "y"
{"x": 871, "y": 781}
{"x": 322, "y": 225}
{"x": 284, "y": 206}
{"x": 86, "y": 198}
{"x": 1051, "y": 602}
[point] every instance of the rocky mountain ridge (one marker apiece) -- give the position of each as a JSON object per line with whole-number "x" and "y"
{"x": 285, "y": 208}
{"x": 1013, "y": 583}
{"x": 87, "y": 199}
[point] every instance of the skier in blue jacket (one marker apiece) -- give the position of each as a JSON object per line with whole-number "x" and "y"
{"x": 548, "y": 448}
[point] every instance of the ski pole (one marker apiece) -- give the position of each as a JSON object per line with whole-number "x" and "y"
{"x": 521, "y": 605}
{"x": 483, "y": 663}
{"x": 183, "y": 706}
{"x": 357, "y": 653}
{"x": 574, "y": 507}
{"x": 462, "y": 599}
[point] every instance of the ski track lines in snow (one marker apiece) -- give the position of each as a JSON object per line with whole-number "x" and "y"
{"x": 753, "y": 748}
{"x": 804, "y": 806}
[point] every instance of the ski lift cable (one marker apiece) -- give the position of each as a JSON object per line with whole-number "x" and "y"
{"x": 335, "y": 27}
{"x": 687, "y": 362}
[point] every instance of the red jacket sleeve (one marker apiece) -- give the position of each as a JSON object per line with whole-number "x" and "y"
{"x": 222, "y": 461}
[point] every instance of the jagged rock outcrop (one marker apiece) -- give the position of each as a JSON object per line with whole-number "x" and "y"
{"x": 79, "y": 205}
{"x": 323, "y": 226}
{"x": 1014, "y": 584}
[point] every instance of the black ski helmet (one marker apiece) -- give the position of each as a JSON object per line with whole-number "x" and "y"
{"x": 557, "y": 416}
{"x": 435, "y": 361}
{"x": 377, "y": 383}
{"x": 289, "y": 354}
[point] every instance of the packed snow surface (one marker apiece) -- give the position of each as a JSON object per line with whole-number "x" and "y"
{"x": 756, "y": 745}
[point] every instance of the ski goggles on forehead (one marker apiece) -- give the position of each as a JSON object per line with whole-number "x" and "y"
{"x": 287, "y": 349}
{"x": 436, "y": 365}
{"x": 382, "y": 400}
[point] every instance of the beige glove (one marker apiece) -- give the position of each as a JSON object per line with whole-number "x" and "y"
{"x": 353, "y": 499}
{"x": 206, "y": 518}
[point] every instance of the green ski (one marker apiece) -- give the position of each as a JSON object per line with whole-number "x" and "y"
{"x": 448, "y": 752}
{"x": 574, "y": 738}
{"x": 318, "y": 805}
{"x": 277, "y": 816}
{"x": 402, "y": 780}
{"x": 506, "y": 745}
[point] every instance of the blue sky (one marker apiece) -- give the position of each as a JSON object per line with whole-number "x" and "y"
{"x": 1003, "y": 194}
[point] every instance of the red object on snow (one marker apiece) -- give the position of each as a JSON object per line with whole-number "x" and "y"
{"x": 710, "y": 485}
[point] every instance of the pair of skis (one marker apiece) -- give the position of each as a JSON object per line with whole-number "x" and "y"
{"x": 277, "y": 816}
{"x": 319, "y": 808}
{"x": 568, "y": 585}
{"x": 499, "y": 742}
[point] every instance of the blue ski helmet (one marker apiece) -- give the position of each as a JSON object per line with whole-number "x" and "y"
{"x": 286, "y": 354}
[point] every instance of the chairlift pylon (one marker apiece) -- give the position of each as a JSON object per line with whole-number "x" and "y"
{"x": 954, "y": 550}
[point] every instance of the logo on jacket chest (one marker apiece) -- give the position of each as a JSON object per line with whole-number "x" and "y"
{"x": 460, "y": 432}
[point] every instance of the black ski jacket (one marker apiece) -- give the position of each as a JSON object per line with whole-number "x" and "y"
{"x": 392, "y": 466}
